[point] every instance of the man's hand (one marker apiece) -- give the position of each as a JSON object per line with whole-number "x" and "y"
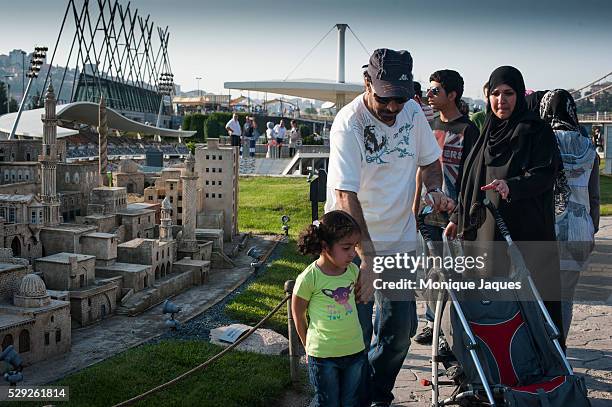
{"x": 500, "y": 186}
{"x": 365, "y": 283}
{"x": 439, "y": 201}
{"x": 451, "y": 231}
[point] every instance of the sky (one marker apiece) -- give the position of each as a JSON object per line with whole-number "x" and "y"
{"x": 555, "y": 43}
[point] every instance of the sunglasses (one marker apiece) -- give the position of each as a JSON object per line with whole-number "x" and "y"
{"x": 435, "y": 91}
{"x": 386, "y": 101}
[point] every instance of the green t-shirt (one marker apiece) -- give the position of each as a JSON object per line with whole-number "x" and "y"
{"x": 334, "y": 328}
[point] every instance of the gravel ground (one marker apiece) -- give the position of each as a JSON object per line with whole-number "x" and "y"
{"x": 199, "y": 327}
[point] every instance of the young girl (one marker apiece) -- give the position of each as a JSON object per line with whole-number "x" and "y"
{"x": 325, "y": 313}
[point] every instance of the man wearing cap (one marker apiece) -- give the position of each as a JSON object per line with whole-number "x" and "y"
{"x": 377, "y": 142}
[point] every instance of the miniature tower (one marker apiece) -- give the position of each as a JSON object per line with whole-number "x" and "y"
{"x": 48, "y": 162}
{"x": 165, "y": 228}
{"x": 188, "y": 246}
{"x": 102, "y": 145}
{"x": 189, "y": 178}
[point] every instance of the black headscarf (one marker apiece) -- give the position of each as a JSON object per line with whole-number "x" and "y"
{"x": 559, "y": 110}
{"x": 493, "y": 147}
{"x": 497, "y": 131}
{"x": 533, "y": 100}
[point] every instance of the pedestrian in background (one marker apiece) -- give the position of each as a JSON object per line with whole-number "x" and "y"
{"x": 577, "y": 216}
{"x": 295, "y": 138}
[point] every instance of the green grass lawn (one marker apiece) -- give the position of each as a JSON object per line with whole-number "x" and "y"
{"x": 239, "y": 379}
{"x": 263, "y": 201}
{"x": 605, "y": 190}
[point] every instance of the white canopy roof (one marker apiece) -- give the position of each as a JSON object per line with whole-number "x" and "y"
{"x": 72, "y": 115}
{"x": 319, "y": 89}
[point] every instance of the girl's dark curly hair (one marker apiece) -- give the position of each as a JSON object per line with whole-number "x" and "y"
{"x": 332, "y": 227}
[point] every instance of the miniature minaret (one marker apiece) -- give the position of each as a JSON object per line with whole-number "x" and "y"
{"x": 102, "y": 137}
{"x": 165, "y": 227}
{"x": 48, "y": 162}
{"x": 189, "y": 178}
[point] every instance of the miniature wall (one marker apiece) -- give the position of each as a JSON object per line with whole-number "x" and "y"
{"x": 93, "y": 307}
{"x": 9, "y": 283}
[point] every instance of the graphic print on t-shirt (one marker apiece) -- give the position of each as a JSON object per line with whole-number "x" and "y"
{"x": 380, "y": 144}
{"x": 452, "y": 149}
{"x": 340, "y": 295}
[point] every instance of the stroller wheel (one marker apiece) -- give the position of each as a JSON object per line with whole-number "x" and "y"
{"x": 455, "y": 373}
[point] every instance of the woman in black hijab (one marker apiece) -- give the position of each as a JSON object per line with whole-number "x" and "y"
{"x": 514, "y": 165}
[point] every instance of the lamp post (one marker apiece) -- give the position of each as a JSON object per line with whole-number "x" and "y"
{"x": 165, "y": 87}
{"x": 198, "y": 79}
{"x": 38, "y": 58}
{"x": 23, "y": 54}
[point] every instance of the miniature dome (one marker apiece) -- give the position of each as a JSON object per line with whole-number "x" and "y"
{"x": 32, "y": 293}
{"x": 32, "y": 286}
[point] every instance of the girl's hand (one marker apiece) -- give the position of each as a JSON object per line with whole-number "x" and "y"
{"x": 500, "y": 186}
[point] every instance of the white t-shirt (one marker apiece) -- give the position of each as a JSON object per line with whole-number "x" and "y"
{"x": 379, "y": 163}
{"x": 280, "y": 131}
{"x": 234, "y": 125}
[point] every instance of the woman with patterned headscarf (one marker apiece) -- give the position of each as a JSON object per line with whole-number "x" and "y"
{"x": 514, "y": 164}
{"x": 577, "y": 219}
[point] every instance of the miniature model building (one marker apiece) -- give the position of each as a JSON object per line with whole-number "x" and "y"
{"x": 169, "y": 185}
{"x": 36, "y": 325}
{"x": 128, "y": 175}
{"x": 188, "y": 245}
{"x": 218, "y": 177}
{"x": 91, "y": 299}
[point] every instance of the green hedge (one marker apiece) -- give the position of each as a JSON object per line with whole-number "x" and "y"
{"x": 213, "y": 124}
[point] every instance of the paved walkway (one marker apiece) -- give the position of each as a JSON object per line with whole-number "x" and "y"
{"x": 100, "y": 341}
{"x": 589, "y": 343}
{"x": 263, "y": 166}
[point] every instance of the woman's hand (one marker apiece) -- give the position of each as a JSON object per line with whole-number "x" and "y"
{"x": 498, "y": 185}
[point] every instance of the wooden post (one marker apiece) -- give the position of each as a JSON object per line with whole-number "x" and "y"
{"x": 294, "y": 340}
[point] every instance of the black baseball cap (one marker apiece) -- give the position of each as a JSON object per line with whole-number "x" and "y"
{"x": 391, "y": 73}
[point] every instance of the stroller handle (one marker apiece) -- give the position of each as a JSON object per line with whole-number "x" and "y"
{"x": 421, "y": 223}
{"x": 503, "y": 228}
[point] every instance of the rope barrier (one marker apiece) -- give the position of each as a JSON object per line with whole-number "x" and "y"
{"x": 207, "y": 363}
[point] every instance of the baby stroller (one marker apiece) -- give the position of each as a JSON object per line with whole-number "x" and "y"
{"x": 506, "y": 349}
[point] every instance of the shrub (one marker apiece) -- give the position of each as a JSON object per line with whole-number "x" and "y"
{"x": 312, "y": 140}
{"x": 197, "y": 124}
{"x": 186, "y": 122}
{"x": 212, "y": 128}
{"x": 191, "y": 145}
{"x": 305, "y": 130}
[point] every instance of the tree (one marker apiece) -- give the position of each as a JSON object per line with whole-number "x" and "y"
{"x": 191, "y": 145}
{"x": 35, "y": 102}
{"x": 3, "y": 106}
{"x": 14, "y": 106}
{"x": 310, "y": 110}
